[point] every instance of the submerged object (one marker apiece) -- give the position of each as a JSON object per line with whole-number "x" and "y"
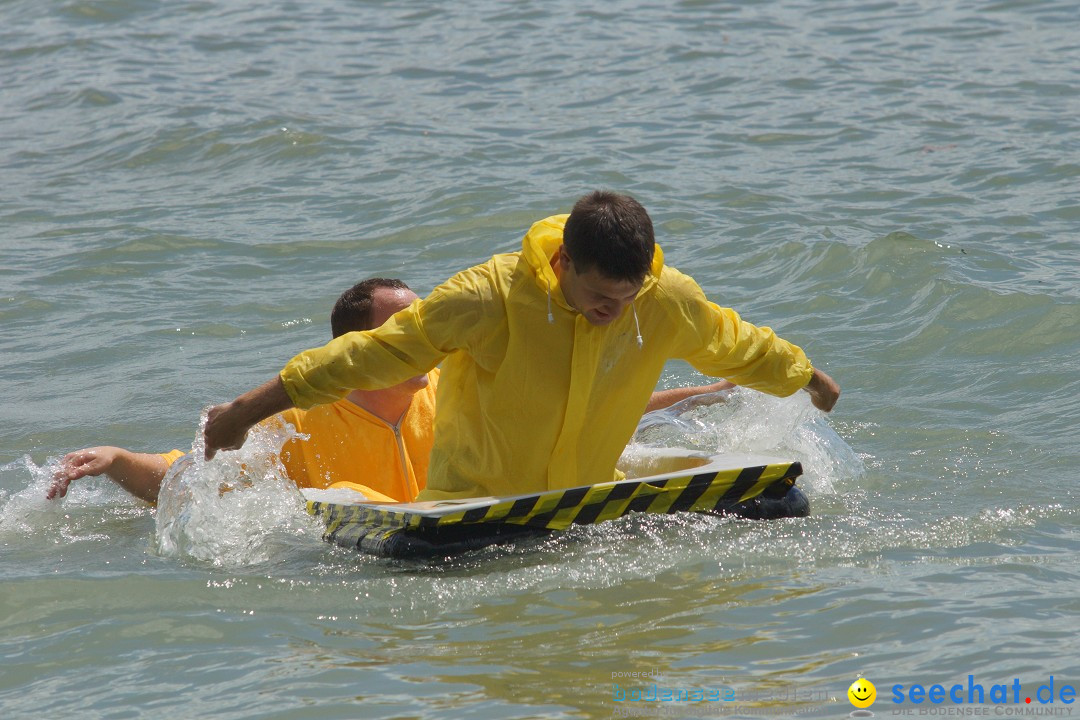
{"x": 665, "y": 480}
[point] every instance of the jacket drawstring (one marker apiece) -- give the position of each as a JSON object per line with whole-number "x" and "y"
{"x": 551, "y": 318}
{"x": 637, "y": 325}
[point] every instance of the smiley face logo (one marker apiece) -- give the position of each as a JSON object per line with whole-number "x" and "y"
{"x": 862, "y": 693}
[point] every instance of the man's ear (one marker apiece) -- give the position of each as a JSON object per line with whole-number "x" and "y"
{"x": 564, "y": 259}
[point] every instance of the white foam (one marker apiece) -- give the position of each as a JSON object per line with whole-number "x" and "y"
{"x": 746, "y": 421}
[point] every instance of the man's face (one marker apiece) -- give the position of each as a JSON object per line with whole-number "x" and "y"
{"x": 599, "y": 298}
{"x": 384, "y": 303}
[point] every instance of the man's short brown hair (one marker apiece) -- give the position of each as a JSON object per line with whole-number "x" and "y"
{"x": 612, "y": 233}
{"x": 352, "y": 311}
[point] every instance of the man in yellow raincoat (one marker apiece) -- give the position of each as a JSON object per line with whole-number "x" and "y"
{"x": 549, "y": 356}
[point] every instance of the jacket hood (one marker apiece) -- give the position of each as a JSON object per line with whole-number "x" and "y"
{"x": 543, "y": 241}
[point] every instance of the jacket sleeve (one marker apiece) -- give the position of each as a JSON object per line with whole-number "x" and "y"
{"x": 410, "y": 343}
{"x": 172, "y": 456}
{"x": 720, "y": 343}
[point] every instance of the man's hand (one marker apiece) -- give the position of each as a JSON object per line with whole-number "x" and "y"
{"x": 227, "y": 425}
{"x": 88, "y": 461}
{"x": 824, "y": 392}
{"x": 225, "y": 429}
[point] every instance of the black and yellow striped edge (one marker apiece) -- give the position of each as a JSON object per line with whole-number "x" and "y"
{"x": 559, "y": 509}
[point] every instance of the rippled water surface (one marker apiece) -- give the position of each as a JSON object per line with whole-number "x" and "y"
{"x": 188, "y": 186}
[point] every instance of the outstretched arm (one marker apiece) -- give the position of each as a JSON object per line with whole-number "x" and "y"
{"x": 227, "y": 425}
{"x": 666, "y": 398}
{"x": 138, "y": 473}
{"x": 824, "y": 391}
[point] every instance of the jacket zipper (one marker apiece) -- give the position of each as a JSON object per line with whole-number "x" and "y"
{"x": 396, "y": 427}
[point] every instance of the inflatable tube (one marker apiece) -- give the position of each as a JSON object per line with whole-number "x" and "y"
{"x": 750, "y": 486}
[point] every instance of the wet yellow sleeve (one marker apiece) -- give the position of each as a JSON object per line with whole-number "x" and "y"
{"x": 722, "y": 344}
{"x": 412, "y": 342}
{"x": 171, "y": 457}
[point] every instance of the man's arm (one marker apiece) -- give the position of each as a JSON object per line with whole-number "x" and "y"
{"x": 410, "y": 343}
{"x": 716, "y": 341}
{"x": 138, "y": 473}
{"x": 666, "y": 398}
{"x": 227, "y": 425}
{"x": 824, "y": 391}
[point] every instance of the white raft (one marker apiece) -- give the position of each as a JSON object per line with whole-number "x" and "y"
{"x": 664, "y": 480}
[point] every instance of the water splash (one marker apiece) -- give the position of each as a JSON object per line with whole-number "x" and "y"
{"x": 742, "y": 420}
{"x": 238, "y": 509}
{"x": 25, "y": 512}
{"x": 88, "y": 514}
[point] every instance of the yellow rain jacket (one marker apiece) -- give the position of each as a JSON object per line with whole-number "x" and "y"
{"x": 527, "y": 404}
